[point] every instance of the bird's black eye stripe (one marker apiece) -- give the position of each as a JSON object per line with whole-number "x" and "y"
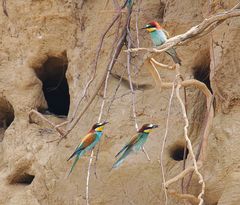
{"x": 149, "y": 26}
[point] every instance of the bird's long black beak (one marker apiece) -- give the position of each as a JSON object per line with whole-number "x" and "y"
{"x": 154, "y": 126}
{"x": 104, "y": 123}
{"x": 143, "y": 28}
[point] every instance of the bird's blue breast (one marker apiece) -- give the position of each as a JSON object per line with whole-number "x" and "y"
{"x": 158, "y": 37}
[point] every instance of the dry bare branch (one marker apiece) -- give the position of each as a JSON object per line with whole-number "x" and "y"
{"x": 189, "y": 144}
{"x": 146, "y": 154}
{"x": 194, "y": 31}
{"x": 117, "y": 51}
{"x": 88, "y": 177}
{"x": 202, "y": 87}
{"x": 115, "y": 93}
{"x": 178, "y": 177}
{"x": 61, "y": 132}
{"x": 164, "y": 141}
{"x": 136, "y": 23}
{"x": 162, "y": 65}
{"x": 4, "y": 7}
{"x": 94, "y": 66}
{"x": 130, "y": 84}
{"x": 115, "y": 54}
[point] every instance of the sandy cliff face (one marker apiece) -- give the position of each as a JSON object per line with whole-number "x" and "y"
{"x": 44, "y": 41}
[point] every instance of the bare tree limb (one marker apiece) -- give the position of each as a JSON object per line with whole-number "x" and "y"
{"x": 61, "y": 132}
{"x": 178, "y": 177}
{"x": 115, "y": 54}
{"x": 202, "y": 87}
{"x": 194, "y": 31}
{"x": 146, "y": 154}
{"x": 189, "y": 144}
{"x": 162, "y": 65}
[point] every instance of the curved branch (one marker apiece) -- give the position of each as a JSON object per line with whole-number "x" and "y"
{"x": 193, "y": 32}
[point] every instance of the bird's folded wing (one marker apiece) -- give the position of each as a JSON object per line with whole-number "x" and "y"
{"x": 166, "y": 33}
{"x": 133, "y": 140}
{"x": 87, "y": 140}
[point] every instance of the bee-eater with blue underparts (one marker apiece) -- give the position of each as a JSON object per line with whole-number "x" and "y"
{"x": 135, "y": 144}
{"x": 87, "y": 143}
{"x": 159, "y": 36}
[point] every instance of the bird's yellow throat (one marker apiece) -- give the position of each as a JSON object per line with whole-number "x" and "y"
{"x": 147, "y": 131}
{"x": 99, "y": 129}
{"x": 151, "y": 29}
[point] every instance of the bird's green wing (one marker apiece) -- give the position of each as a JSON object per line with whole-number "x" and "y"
{"x": 166, "y": 33}
{"x": 133, "y": 140}
{"x": 86, "y": 141}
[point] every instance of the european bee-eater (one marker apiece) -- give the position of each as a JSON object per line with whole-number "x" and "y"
{"x": 135, "y": 144}
{"x": 88, "y": 142}
{"x": 159, "y": 36}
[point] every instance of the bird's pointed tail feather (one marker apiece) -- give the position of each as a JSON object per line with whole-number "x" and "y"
{"x": 172, "y": 52}
{"x": 73, "y": 165}
{"x": 121, "y": 159}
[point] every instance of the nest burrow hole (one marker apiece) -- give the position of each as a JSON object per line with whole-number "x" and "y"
{"x": 23, "y": 179}
{"x": 6, "y": 116}
{"x": 177, "y": 152}
{"x": 52, "y": 73}
{"x": 201, "y": 72}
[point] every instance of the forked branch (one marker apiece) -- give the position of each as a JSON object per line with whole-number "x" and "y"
{"x": 202, "y": 87}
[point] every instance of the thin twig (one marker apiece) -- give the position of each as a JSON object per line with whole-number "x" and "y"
{"x": 98, "y": 87}
{"x": 130, "y": 84}
{"x": 94, "y": 65}
{"x": 115, "y": 54}
{"x": 161, "y": 64}
{"x": 88, "y": 177}
{"x": 104, "y": 95}
{"x": 164, "y": 141}
{"x": 4, "y": 7}
{"x": 136, "y": 24}
{"x": 101, "y": 113}
{"x": 145, "y": 152}
{"x": 115, "y": 94}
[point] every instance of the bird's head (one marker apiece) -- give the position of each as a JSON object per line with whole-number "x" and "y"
{"x": 147, "y": 128}
{"x": 98, "y": 127}
{"x": 152, "y": 26}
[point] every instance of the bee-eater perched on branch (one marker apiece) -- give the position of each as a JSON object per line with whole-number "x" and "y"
{"x": 159, "y": 36}
{"x": 135, "y": 144}
{"x": 88, "y": 142}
